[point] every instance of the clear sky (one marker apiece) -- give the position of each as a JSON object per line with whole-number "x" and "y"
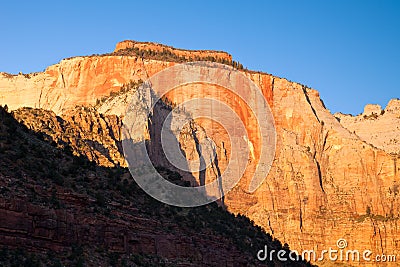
{"x": 348, "y": 50}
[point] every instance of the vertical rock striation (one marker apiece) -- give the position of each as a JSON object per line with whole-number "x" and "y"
{"x": 327, "y": 181}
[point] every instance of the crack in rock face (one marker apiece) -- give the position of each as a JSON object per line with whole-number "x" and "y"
{"x": 209, "y": 106}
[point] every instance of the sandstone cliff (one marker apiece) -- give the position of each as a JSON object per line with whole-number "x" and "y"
{"x": 187, "y": 54}
{"x": 83, "y": 80}
{"x": 57, "y": 209}
{"x": 326, "y": 182}
{"x": 376, "y": 126}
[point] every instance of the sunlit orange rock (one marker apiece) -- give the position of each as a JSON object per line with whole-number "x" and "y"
{"x": 326, "y": 182}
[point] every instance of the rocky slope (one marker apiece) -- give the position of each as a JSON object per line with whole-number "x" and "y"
{"x": 326, "y": 182}
{"x": 86, "y": 132}
{"x": 57, "y": 209}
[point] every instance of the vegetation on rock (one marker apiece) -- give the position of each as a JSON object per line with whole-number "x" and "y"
{"x": 70, "y": 197}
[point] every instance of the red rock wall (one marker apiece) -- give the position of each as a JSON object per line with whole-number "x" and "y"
{"x": 323, "y": 180}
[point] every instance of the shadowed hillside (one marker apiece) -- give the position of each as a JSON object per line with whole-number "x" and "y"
{"x": 58, "y": 209}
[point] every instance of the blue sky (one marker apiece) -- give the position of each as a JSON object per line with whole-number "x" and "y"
{"x": 347, "y": 50}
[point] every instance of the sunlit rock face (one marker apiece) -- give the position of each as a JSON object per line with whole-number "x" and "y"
{"x": 376, "y": 126}
{"x": 328, "y": 180}
{"x": 74, "y": 81}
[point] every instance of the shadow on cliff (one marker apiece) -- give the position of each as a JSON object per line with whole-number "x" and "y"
{"x": 97, "y": 146}
{"x": 160, "y": 120}
{"x": 202, "y": 168}
{"x": 76, "y": 213}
